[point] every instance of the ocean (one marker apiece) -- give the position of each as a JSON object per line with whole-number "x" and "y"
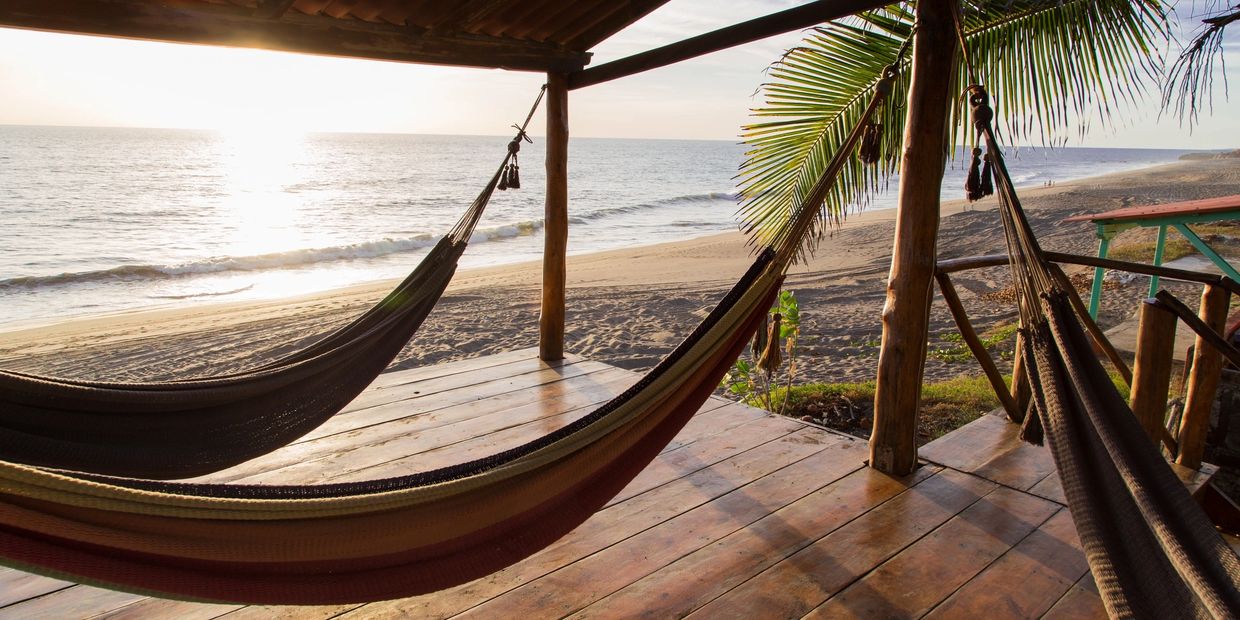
{"x": 100, "y": 220}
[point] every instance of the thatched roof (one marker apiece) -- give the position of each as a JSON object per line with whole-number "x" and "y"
{"x": 534, "y": 35}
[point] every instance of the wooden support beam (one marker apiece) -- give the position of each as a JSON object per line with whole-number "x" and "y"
{"x": 952, "y": 265}
{"x": 1203, "y": 380}
{"x": 181, "y": 21}
{"x": 555, "y": 247}
{"x": 906, "y": 314}
{"x": 1151, "y": 373}
{"x": 795, "y": 18}
{"x": 979, "y": 350}
{"x": 273, "y": 9}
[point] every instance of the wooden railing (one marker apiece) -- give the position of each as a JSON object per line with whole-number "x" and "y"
{"x": 1150, "y": 377}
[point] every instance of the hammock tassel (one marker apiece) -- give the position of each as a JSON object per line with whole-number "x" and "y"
{"x": 871, "y": 144}
{"x": 758, "y": 346}
{"x": 771, "y": 357}
{"x": 973, "y": 183}
{"x": 988, "y": 184}
{"x": 514, "y": 178}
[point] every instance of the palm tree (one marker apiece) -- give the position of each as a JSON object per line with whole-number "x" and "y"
{"x": 1051, "y": 66}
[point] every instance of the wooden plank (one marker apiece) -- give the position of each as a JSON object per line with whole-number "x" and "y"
{"x": 798, "y": 555}
{"x": 583, "y": 582}
{"x": 973, "y": 444}
{"x": 16, "y": 586}
{"x": 356, "y": 452}
{"x": 1080, "y": 603}
{"x": 235, "y": 26}
{"x": 622, "y": 520}
{"x": 676, "y": 463}
{"x": 1027, "y": 581}
{"x": 555, "y": 222}
{"x": 788, "y": 20}
{"x": 520, "y": 374}
{"x": 1209, "y": 206}
{"x": 1050, "y": 488}
{"x": 1022, "y": 466}
{"x": 391, "y": 378}
{"x": 288, "y": 612}
{"x": 453, "y": 454}
{"x": 164, "y": 608}
{"x": 420, "y": 413}
{"x": 75, "y": 602}
{"x": 918, "y": 578}
{"x": 802, "y": 581}
{"x": 905, "y": 317}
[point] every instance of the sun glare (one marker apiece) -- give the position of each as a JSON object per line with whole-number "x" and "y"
{"x": 260, "y": 162}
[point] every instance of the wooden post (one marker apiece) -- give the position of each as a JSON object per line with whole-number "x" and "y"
{"x": 906, "y": 314}
{"x": 1151, "y": 371}
{"x": 555, "y": 221}
{"x": 1203, "y": 380}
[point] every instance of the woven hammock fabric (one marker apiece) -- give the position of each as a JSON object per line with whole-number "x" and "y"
{"x": 1152, "y": 551}
{"x": 185, "y": 428}
{"x": 376, "y": 539}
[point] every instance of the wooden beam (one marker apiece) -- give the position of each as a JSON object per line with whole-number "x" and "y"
{"x": 906, "y": 315}
{"x": 1151, "y": 371}
{"x": 273, "y": 9}
{"x": 1203, "y": 380}
{"x": 796, "y": 18}
{"x": 555, "y": 219}
{"x": 184, "y": 21}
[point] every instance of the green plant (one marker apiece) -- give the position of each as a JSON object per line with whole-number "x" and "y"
{"x": 958, "y": 351}
{"x": 772, "y": 357}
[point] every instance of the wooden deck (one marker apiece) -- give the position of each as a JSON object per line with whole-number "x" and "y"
{"x": 744, "y": 515}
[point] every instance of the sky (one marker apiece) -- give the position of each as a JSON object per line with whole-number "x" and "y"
{"x": 55, "y": 79}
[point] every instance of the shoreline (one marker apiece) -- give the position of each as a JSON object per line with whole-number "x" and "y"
{"x": 160, "y": 307}
{"x": 626, "y": 307}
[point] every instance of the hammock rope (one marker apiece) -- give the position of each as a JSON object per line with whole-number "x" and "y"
{"x": 1152, "y": 551}
{"x": 189, "y": 427}
{"x": 379, "y": 539}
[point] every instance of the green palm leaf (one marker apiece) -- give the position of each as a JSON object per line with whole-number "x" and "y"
{"x": 1050, "y": 65}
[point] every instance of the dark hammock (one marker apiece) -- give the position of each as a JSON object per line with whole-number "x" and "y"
{"x": 184, "y": 428}
{"x": 1152, "y": 551}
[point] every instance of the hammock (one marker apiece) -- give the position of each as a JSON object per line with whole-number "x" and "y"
{"x": 1152, "y": 551}
{"x": 185, "y": 428}
{"x": 394, "y": 537}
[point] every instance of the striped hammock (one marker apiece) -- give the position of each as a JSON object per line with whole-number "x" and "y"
{"x": 387, "y": 538}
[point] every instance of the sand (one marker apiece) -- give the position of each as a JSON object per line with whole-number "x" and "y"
{"x": 629, "y": 307}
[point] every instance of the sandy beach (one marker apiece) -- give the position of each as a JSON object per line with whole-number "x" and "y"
{"x": 629, "y": 307}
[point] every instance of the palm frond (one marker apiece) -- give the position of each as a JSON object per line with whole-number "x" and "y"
{"x": 1190, "y": 81}
{"x": 1050, "y": 65}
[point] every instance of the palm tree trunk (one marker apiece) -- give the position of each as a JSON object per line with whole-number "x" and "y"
{"x": 906, "y": 315}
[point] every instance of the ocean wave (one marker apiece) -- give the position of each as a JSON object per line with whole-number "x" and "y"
{"x": 204, "y": 294}
{"x": 263, "y": 262}
{"x": 507, "y": 231}
{"x": 221, "y": 264}
{"x": 662, "y": 203}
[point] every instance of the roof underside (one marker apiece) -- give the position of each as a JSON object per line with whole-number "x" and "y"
{"x": 529, "y": 35}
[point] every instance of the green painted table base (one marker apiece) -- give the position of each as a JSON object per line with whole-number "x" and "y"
{"x": 1106, "y": 230}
